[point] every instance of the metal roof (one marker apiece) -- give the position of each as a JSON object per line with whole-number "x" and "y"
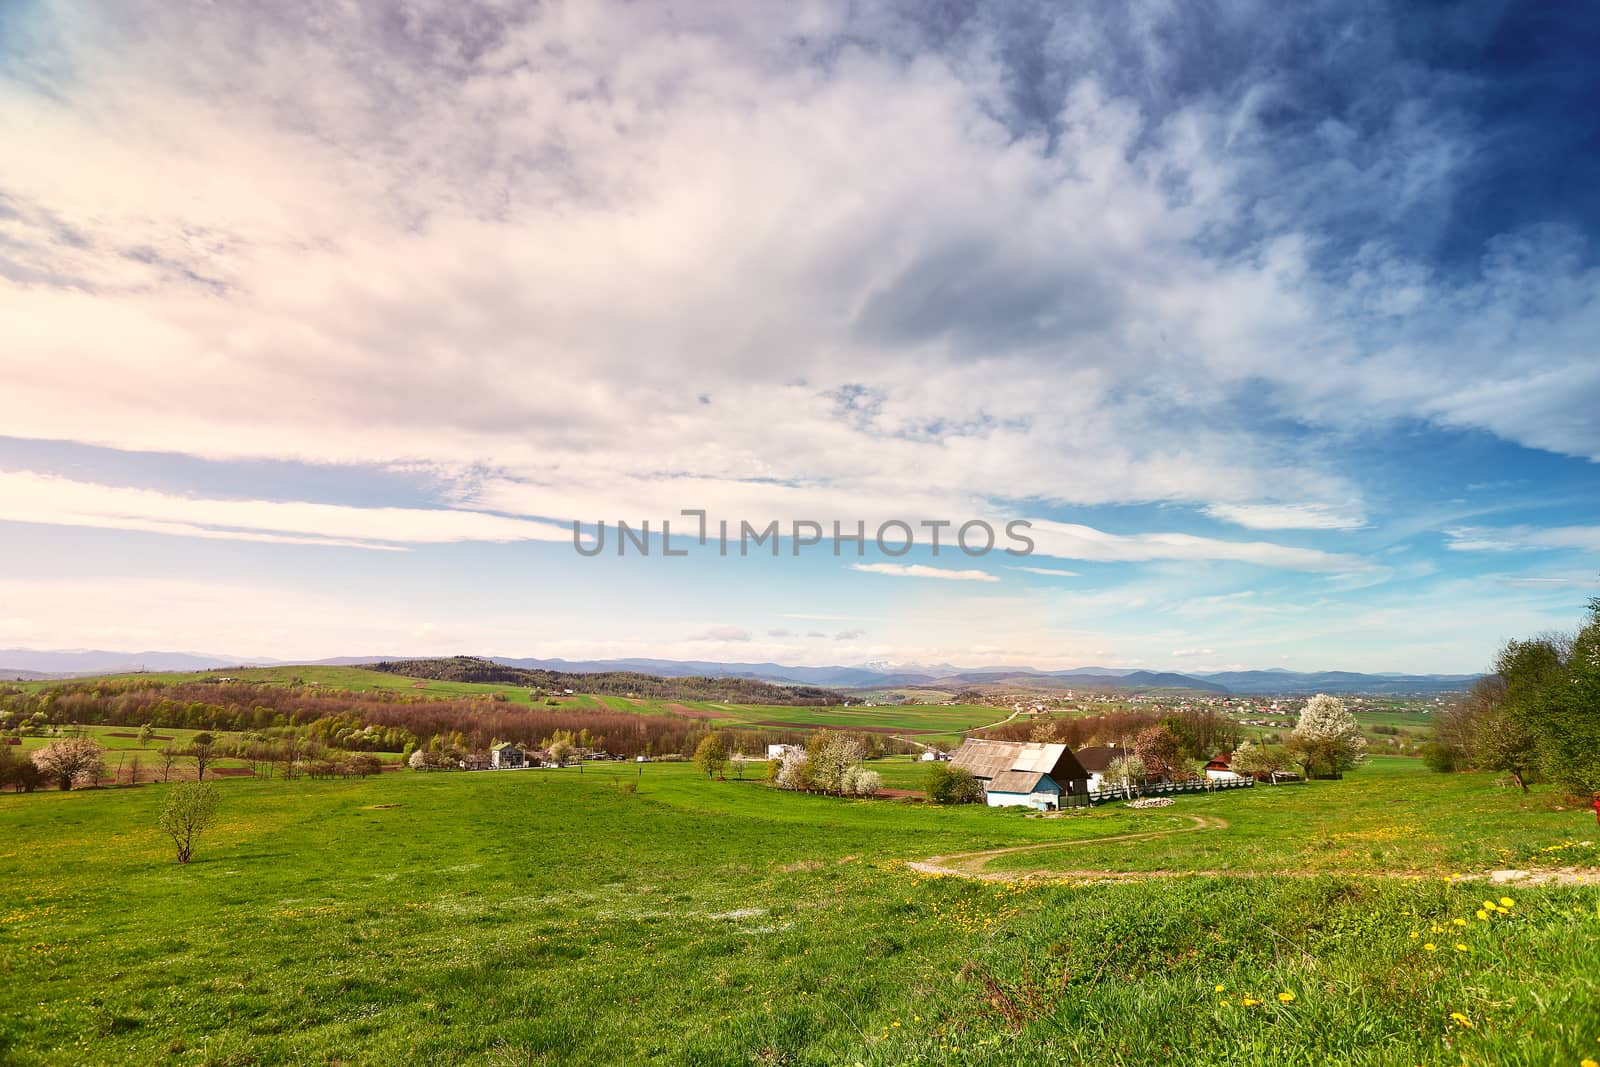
{"x": 1021, "y": 782}
{"x": 990, "y": 759}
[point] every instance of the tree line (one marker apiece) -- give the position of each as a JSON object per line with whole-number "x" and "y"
{"x": 610, "y": 683}
{"x": 1537, "y": 717}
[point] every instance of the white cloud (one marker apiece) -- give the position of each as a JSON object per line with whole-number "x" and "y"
{"x": 1521, "y": 538}
{"x": 1048, "y": 572}
{"x": 1193, "y": 651}
{"x": 29, "y": 497}
{"x": 918, "y": 570}
{"x": 1075, "y": 541}
{"x": 722, "y": 633}
{"x": 1286, "y": 516}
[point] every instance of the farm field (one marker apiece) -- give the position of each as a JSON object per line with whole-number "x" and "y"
{"x": 933, "y": 724}
{"x": 554, "y": 917}
{"x": 121, "y": 744}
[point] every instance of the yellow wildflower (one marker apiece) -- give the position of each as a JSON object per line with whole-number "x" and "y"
{"x": 1462, "y": 948}
{"x": 1488, "y": 904}
{"x": 1251, "y": 1002}
{"x": 1430, "y": 946}
{"x": 1483, "y": 915}
{"x": 1459, "y": 922}
{"x": 1508, "y": 902}
{"x": 1221, "y": 989}
{"x": 1415, "y": 934}
{"x": 1462, "y": 1019}
{"x": 1286, "y": 997}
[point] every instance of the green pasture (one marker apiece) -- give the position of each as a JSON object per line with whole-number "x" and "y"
{"x": 543, "y": 917}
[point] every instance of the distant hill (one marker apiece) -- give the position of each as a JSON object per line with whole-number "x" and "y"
{"x": 98, "y": 661}
{"x": 23, "y": 663}
{"x": 1289, "y": 683}
{"x": 727, "y": 689}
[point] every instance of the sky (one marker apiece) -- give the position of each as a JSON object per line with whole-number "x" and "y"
{"x": 322, "y": 324}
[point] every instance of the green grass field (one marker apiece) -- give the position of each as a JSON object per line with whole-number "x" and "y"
{"x": 553, "y": 917}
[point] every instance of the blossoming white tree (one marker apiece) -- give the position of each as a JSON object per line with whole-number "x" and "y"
{"x": 72, "y": 762}
{"x": 1327, "y": 741}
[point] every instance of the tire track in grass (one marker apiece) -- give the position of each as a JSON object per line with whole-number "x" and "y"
{"x": 974, "y": 865}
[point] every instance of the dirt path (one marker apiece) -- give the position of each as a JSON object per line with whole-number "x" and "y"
{"x": 974, "y": 864}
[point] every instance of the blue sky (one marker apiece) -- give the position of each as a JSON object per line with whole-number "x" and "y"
{"x": 318, "y": 329}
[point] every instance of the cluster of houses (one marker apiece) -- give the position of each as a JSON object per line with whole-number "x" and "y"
{"x": 1050, "y": 776}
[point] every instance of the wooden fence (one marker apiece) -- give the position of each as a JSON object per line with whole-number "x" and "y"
{"x": 1161, "y": 789}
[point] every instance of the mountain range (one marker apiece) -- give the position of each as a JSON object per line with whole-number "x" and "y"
{"x": 28, "y": 663}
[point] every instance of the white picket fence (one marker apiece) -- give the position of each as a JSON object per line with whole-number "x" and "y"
{"x": 1103, "y": 796}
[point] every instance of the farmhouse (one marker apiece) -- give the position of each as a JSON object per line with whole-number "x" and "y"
{"x": 1025, "y": 773}
{"x": 780, "y": 751}
{"x": 1220, "y": 769}
{"x": 1096, "y": 759}
{"x": 506, "y": 755}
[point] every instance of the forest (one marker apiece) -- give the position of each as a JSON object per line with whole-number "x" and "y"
{"x": 610, "y": 683}
{"x": 354, "y": 721}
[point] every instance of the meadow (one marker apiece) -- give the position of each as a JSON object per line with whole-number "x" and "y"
{"x": 561, "y": 917}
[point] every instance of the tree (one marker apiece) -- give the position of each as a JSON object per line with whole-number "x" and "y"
{"x": 21, "y": 774}
{"x": 71, "y": 761}
{"x": 795, "y": 770}
{"x": 202, "y": 747}
{"x": 1129, "y": 770}
{"x": 1502, "y": 742}
{"x": 1553, "y": 690}
{"x": 739, "y": 762}
{"x": 189, "y": 809}
{"x": 952, "y": 785}
{"x": 147, "y": 734}
{"x": 711, "y": 755}
{"x": 1255, "y": 760}
{"x": 561, "y": 750}
{"x": 1158, "y": 748}
{"x": 1327, "y": 739}
{"x": 418, "y": 760}
{"x": 831, "y": 755}
{"x": 1046, "y": 731}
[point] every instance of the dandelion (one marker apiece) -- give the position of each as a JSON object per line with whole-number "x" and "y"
{"x": 1459, "y": 922}
{"x": 1462, "y": 1019}
{"x": 1508, "y": 902}
{"x": 1462, "y": 948}
{"x": 1251, "y": 1002}
{"x": 1430, "y": 946}
{"x": 1587, "y": 1063}
{"x": 1221, "y": 989}
{"x": 1414, "y": 934}
{"x": 1286, "y": 998}
{"x": 1489, "y": 904}
{"x": 1483, "y": 915}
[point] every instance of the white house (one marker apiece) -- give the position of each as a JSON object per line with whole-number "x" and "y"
{"x": 1221, "y": 769}
{"x": 1095, "y": 760}
{"x": 506, "y": 755}
{"x": 780, "y": 751}
{"x": 1014, "y": 789}
{"x": 1039, "y": 775}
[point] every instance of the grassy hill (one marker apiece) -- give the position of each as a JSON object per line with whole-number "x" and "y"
{"x": 552, "y": 916}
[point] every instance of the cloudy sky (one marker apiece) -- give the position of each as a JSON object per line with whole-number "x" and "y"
{"x": 321, "y": 323}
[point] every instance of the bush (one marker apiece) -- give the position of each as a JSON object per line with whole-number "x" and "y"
{"x": 866, "y": 783}
{"x": 953, "y": 785}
